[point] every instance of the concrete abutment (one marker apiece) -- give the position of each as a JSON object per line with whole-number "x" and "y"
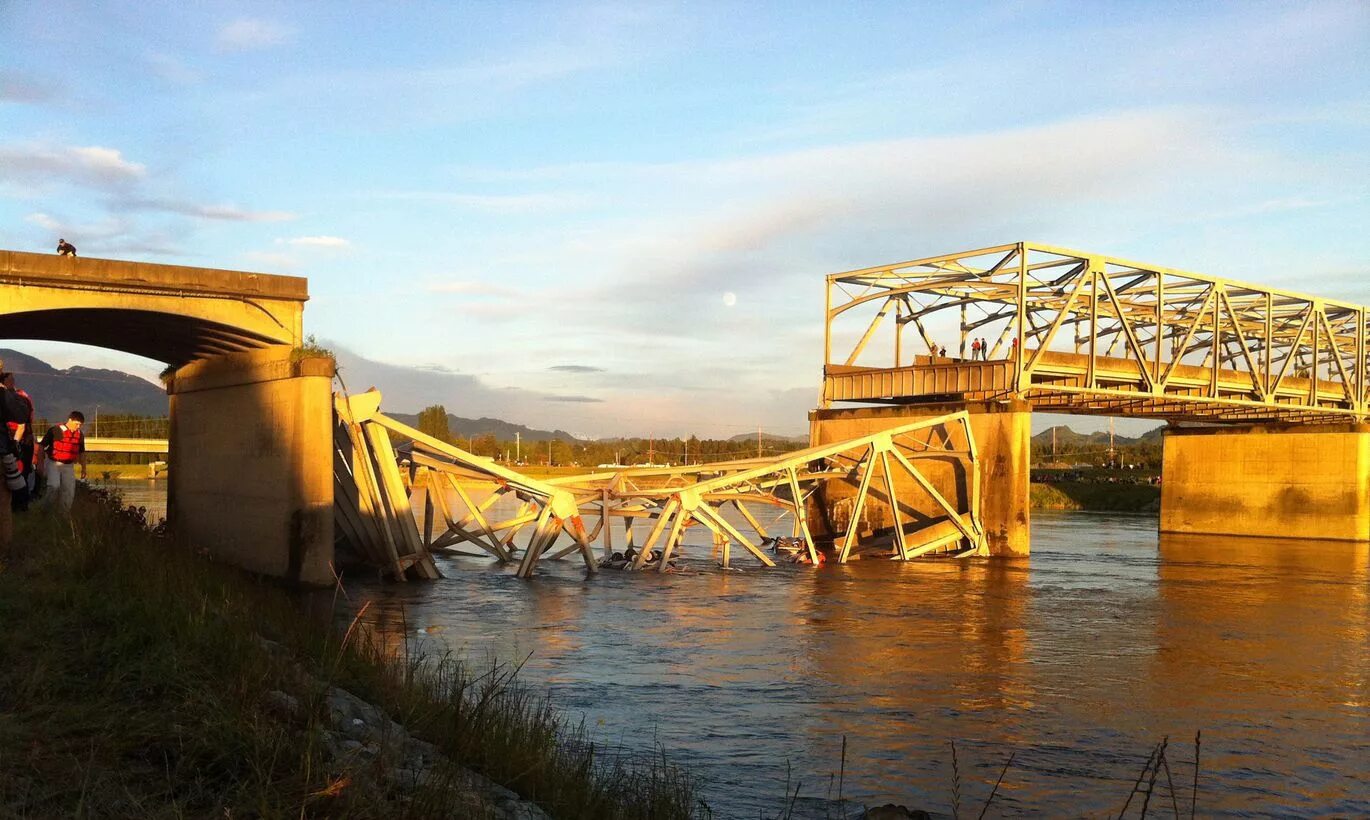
{"x": 1310, "y": 481}
{"x": 251, "y": 439}
{"x": 1003, "y": 432}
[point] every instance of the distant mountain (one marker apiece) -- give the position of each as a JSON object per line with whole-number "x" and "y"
{"x": 802, "y": 438}
{"x": 502, "y": 430}
{"x": 1066, "y": 437}
{"x": 57, "y": 392}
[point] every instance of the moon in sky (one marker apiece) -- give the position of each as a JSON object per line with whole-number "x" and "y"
{"x": 729, "y": 298}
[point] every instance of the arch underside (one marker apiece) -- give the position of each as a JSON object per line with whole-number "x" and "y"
{"x": 166, "y": 337}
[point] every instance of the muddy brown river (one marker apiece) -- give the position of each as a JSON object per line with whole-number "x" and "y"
{"x": 1077, "y": 661}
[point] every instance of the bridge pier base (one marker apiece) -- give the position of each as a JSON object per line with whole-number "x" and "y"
{"x": 1287, "y": 482}
{"x": 1003, "y": 437}
{"x": 251, "y": 475}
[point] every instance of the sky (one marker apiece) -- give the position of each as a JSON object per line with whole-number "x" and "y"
{"x": 615, "y": 218}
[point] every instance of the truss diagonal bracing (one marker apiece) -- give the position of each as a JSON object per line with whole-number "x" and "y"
{"x": 901, "y": 493}
{"x": 1075, "y": 332}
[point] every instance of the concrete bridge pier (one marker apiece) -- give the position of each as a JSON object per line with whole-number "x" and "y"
{"x": 1003, "y": 437}
{"x": 1306, "y": 481}
{"x": 252, "y": 478}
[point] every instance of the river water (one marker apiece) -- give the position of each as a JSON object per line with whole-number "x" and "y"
{"x": 1077, "y": 661}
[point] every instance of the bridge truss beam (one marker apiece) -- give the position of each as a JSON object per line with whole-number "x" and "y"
{"x": 1080, "y": 332}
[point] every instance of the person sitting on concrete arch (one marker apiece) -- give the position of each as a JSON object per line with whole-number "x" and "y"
{"x": 65, "y": 447}
{"x": 65, "y": 248}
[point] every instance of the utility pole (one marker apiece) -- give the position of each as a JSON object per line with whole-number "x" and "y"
{"x": 518, "y": 446}
{"x": 1110, "y": 441}
{"x": 1053, "y": 443}
{"x": 758, "y": 441}
{"x": 651, "y": 451}
{"x": 687, "y": 452}
{"x": 549, "y": 452}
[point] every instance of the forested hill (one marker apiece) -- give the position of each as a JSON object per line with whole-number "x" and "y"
{"x": 57, "y": 392}
{"x": 501, "y": 430}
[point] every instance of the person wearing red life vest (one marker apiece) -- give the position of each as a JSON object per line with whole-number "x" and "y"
{"x": 65, "y": 447}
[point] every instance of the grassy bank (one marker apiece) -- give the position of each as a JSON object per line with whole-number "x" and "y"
{"x": 1095, "y": 496}
{"x": 141, "y": 680}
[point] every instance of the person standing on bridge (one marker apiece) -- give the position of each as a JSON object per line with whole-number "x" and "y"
{"x": 65, "y": 248}
{"x": 65, "y": 447}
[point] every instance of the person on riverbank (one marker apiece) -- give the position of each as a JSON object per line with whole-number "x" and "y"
{"x": 12, "y": 411}
{"x": 65, "y": 447}
{"x": 21, "y": 432}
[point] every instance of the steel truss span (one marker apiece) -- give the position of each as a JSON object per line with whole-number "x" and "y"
{"x": 1075, "y": 332}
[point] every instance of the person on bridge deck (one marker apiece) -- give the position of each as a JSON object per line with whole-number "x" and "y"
{"x": 65, "y": 446}
{"x": 975, "y": 350}
{"x": 65, "y": 248}
{"x": 22, "y": 433}
{"x": 984, "y": 350}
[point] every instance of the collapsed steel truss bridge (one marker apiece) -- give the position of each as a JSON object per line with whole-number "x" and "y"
{"x": 886, "y": 482}
{"x": 1076, "y": 332}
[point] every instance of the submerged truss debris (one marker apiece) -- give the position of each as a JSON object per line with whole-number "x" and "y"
{"x": 902, "y": 493}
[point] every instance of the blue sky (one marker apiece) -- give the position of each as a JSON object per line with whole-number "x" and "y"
{"x": 615, "y": 218}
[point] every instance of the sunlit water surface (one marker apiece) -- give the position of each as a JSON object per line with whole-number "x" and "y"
{"x": 1077, "y": 660}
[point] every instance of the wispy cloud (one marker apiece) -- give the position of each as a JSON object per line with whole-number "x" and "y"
{"x": 250, "y": 34}
{"x": 472, "y": 288}
{"x": 270, "y": 259}
{"x": 574, "y": 399}
{"x": 576, "y": 368}
{"x": 93, "y": 165}
{"x": 171, "y": 70}
{"x": 228, "y": 213}
{"x": 493, "y": 203}
{"x": 104, "y": 229}
{"x": 336, "y": 242}
{"x": 18, "y": 87}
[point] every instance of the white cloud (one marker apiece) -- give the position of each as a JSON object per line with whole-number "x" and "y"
{"x": 228, "y": 213}
{"x": 248, "y": 34}
{"x": 316, "y": 242}
{"x": 92, "y": 165}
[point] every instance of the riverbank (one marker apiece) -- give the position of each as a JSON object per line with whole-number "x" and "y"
{"x": 1096, "y": 497}
{"x": 140, "y": 679}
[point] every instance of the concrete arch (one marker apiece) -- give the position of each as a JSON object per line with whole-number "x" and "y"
{"x": 170, "y": 338}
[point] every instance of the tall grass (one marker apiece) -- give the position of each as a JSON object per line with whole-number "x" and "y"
{"x": 134, "y": 681}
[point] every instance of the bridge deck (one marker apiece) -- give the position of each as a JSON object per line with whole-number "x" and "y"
{"x": 20, "y": 268}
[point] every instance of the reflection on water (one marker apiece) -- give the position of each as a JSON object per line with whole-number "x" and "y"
{"x": 1078, "y": 659}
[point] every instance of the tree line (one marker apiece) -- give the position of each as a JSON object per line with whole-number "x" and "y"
{"x": 432, "y": 421}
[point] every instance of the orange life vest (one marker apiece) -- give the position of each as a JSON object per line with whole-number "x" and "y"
{"x": 66, "y": 448}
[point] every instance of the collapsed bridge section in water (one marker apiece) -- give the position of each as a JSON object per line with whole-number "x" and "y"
{"x": 863, "y": 497}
